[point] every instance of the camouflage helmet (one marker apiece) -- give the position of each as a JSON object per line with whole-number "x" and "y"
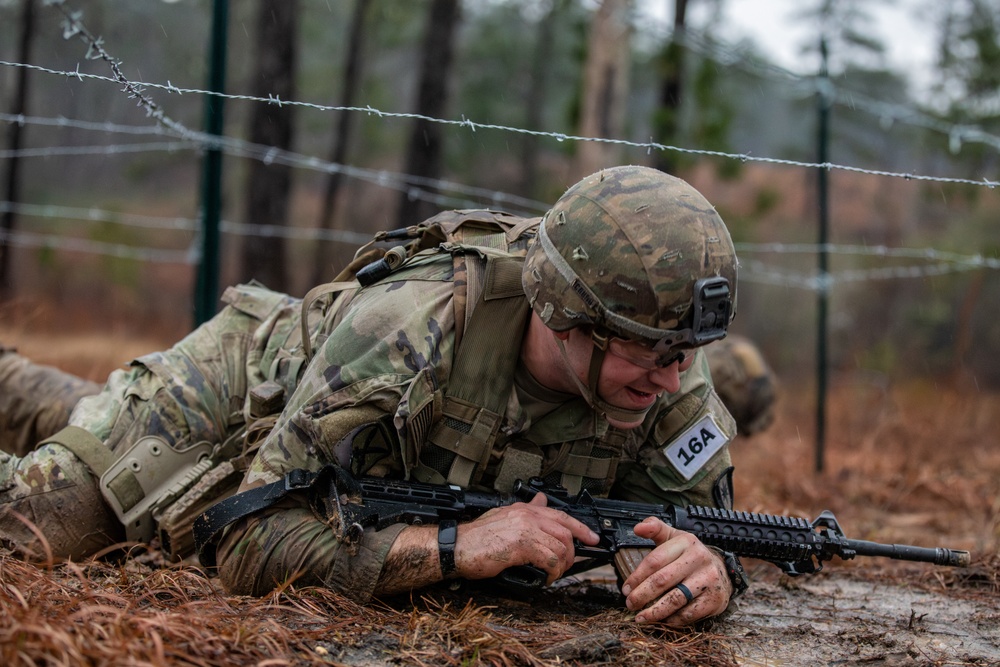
{"x": 636, "y": 253}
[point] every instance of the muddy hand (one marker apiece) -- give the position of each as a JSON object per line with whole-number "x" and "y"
{"x": 680, "y": 581}
{"x": 520, "y": 534}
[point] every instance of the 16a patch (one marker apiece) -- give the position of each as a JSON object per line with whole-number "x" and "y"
{"x": 693, "y": 448}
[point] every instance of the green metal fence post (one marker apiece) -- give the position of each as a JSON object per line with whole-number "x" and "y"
{"x": 823, "y": 294}
{"x": 207, "y": 286}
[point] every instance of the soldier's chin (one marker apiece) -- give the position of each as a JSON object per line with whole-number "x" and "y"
{"x": 624, "y": 419}
{"x": 623, "y": 425}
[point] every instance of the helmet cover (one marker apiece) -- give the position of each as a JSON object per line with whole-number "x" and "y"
{"x": 636, "y": 253}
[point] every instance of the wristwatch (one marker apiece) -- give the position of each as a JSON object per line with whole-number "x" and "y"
{"x": 447, "y": 534}
{"x": 737, "y": 575}
{"x": 734, "y": 568}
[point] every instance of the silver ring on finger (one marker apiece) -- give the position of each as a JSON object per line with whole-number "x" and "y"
{"x": 688, "y": 595}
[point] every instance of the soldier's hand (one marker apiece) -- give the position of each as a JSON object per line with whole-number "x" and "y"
{"x": 519, "y": 534}
{"x": 679, "y": 558}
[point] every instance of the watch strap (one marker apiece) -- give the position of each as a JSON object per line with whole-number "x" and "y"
{"x": 447, "y": 535}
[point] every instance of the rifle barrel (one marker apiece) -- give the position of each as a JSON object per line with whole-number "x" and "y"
{"x": 936, "y": 555}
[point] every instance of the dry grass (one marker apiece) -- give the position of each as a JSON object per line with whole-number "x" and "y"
{"x": 915, "y": 464}
{"x": 99, "y": 614}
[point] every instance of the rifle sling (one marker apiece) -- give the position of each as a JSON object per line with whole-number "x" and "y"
{"x": 209, "y": 525}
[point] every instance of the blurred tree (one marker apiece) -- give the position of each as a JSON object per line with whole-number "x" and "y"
{"x": 605, "y": 86}
{"x": 268, "y": 184}
{"x": 969, "y": 73}
{"x": 424, "y": 151}
{"x": 968, "y": 96}
{"x": 7, "y": 220}
{"x": 535, "y": 102}
{"x": 342, "y": 132}
{"x": 846, "y": 27}
{"x": 855, "y": 62}
{"x": 695, "y": 108}
{"x": 666, "y": 120}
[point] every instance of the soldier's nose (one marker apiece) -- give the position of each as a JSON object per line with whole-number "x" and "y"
{"x": 667, "y": 379}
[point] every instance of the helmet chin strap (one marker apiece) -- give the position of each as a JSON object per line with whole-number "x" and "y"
{"x": 589, "y": 393}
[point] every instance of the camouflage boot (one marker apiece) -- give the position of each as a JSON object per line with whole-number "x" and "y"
{"x": 35, "y": 401}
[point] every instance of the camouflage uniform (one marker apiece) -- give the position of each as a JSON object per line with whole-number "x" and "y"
{"x": 384, "y": 362}
{"x": 35, "y": 401}
{"x": 191, "y": 393}
{"x": 388, "y": 354}
{"x": 392, "y": 353}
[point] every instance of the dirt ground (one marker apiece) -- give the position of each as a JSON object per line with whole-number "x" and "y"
{"x": 842, "y": 620}
{"x": 914, "y": 464}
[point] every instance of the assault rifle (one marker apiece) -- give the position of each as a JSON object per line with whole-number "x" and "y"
{"x": 794, "y": 544}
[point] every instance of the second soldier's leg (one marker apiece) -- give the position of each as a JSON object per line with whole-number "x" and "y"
{"x": 192, "y": 393}
{"x": 35, "y": 401}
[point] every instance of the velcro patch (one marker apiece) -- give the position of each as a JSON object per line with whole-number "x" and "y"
{"x": 692, "y": 449}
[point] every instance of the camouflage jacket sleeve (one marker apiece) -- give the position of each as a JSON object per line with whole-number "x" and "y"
{"x": 393, "y": 342}
{"x": 680, "y": 454}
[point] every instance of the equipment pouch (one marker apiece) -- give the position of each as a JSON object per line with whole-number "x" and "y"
{"x": 176, "y": 520}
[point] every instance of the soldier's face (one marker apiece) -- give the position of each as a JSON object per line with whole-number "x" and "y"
{"x": 622, "y": 382}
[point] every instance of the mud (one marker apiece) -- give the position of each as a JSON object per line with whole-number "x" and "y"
{"x": 835, "y": 619}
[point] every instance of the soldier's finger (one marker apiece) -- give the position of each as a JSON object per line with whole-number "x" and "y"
{"x": 577, "y": 529}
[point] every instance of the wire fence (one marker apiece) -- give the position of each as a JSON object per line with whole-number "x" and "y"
{"x": 449, "y": 194}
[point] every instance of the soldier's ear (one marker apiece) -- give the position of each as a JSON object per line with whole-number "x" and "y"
{"x": 562, "y": 335}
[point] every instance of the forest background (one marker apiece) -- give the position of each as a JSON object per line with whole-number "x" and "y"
{"x": 104, "y": 196}
{"x": 498, "y": 103}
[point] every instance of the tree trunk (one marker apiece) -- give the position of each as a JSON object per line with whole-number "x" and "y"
{"x": 605, "y": 86}
{"x": 338, "y": 151}
{"x": 7, "y": 221}
{"x": 269, "y": 185}
{"x": 667, "y": 121}
{"x": 540, "y": 68}
{"x": 424, "y": 152}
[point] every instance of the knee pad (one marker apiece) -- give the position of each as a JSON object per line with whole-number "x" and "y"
{"x": 51, "y": 506}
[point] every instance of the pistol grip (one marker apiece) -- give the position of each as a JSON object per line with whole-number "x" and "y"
{"x": 627, "y": 559}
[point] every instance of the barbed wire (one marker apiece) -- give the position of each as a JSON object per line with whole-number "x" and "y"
{"x": 60, "y": 242}
{"x": 694, "y": 40}
{"x": 62, "y": 121}
{"x": 809, "y": 85}
{"x": 758, "y": 272}
{"x": 753, "y": 271}
{"x": 558, "y": 136}
{"x": 183, "y": 224}
{"x": 314, "y": 233}
{"x": 110, "y": 149}
{"x": 416, "y": 187}
{"x": 930, "y": 254}
{"x": 73, "y": 27}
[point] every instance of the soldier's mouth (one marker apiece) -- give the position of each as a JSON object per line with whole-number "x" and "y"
{"x": 640, "y": 396}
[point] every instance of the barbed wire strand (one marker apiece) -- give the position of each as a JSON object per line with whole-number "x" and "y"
{"x": 752, "y": 271}
{"x": 415, "y": 186}
{"x": 109, "y": 149}
{"x": 358, "y": 238}
{"x": 808, "y": 85}
{"x": 558, "y": 136}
